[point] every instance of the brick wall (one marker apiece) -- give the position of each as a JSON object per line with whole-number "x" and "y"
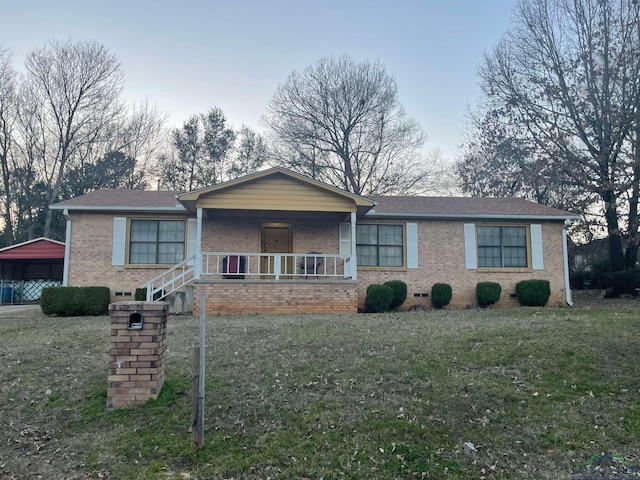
{"x": 284, "y": 297}
{"x": 136, "y": 356}
{"x": 90, "y": 257}
{"x": 441, "y": 259}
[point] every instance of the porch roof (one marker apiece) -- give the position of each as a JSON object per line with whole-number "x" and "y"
{"x": 276, "y": 189}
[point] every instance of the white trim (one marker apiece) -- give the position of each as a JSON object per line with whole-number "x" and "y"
{"x": 118, "y": 250}
{"x": 412, "y": 245}
{"x": 67, "y": 248}
{"x": 565, "y": 255}
{"x": 470, "y": 247}
{"x": 537, "y": 255}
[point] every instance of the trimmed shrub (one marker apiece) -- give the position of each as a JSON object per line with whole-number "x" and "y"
{"x": 379, "y": 298}
{"x": 399, "y": 289}
{"x": 74, "y": 301}
{"x": 533, "y": 293}
{"x": 488, "y": 293}
{"x": 441, "y": 294}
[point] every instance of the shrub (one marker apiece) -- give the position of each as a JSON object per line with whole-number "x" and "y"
{"x": 399, "y": 289}
{"x": 379, "y": 298}
{"x": 73, "y": 301}
{"x": 488, "y": 293}
{"x": 441, "y": 294}
{"x": 533, "y": 293}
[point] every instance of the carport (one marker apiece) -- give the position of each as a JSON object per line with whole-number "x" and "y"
{"x": 27, "y": 268}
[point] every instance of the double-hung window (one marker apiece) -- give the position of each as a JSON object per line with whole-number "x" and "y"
{"x": 380, "y": 245}
{"x": 502, "y": 247}
{"x": 156, "y": 241}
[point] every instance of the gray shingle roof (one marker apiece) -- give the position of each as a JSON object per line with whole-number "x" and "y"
{"x": 462, "y": 206}
{"x": 122, "y": 198}
{"x": 386, "y": 206}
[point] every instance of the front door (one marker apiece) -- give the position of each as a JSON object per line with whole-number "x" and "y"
{"x": 275, "y": 239}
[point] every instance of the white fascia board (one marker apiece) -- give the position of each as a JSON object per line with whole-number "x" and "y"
{"x": 468, "y": 216}
{"x": 85, "y": 208}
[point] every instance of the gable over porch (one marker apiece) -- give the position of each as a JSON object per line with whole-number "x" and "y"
{"x": 274, "y": 226}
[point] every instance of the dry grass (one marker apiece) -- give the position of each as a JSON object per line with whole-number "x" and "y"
{"x": 357, "y": 396}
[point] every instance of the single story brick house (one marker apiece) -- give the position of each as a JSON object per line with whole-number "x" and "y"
{"x": 279, "y": 242}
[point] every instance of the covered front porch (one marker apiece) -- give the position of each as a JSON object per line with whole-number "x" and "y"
{"x": 273, "y": 242}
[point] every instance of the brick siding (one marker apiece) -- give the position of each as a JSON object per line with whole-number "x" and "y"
{"x": 283, "y": 297}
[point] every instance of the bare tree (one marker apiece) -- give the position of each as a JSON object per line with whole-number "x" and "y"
{"x": 79, "y": 86}
{"x": 567, "y": 73}
{"x": 341, "y": 122}
{"x": 8, "y": 113}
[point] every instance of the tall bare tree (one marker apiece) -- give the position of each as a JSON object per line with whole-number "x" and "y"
{"x": 341, "y": 122}
{"x": 567, "y": 74}
{"x": 8, "y": 113}
{"x": 78, "y": 85}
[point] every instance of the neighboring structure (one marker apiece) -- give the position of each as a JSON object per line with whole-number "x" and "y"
{"x": 26, "y": 268}
{"x": 279, "y": 242}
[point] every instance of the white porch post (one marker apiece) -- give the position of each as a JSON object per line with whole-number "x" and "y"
{"x": 198, "y": 266}
{"x": 277, "y": 265}
{"x": 354, "y": 255}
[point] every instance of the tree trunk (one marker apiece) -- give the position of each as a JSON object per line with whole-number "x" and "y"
{"x": 616, "y": 253}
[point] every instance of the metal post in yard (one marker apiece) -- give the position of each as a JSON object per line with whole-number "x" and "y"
{"x": 197, "y": 432}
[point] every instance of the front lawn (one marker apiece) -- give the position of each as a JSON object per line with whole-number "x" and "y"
{"x": 537, "y": 392}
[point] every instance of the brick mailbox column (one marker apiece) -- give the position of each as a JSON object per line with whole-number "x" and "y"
{"x": 136, "y": 356}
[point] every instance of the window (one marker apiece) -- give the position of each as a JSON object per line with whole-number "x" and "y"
{"x": 156, "y": 241}
{"x": 380, "y": 245}
{"x": 500, "y": 247}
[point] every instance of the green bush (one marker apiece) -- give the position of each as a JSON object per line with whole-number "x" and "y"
{"x": 488, "y": 293}
{"x": 399, "y": 289}
{"x": 533, "y": 293}
{"x": 441, "y": 294}
{"x": 74, "y": 301}
{"x": 379, "y": 298}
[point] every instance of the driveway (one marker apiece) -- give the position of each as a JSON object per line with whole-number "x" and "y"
{"x": 9, "y": 309}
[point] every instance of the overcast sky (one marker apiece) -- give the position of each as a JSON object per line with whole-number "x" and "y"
{"x": 189, "y": 55}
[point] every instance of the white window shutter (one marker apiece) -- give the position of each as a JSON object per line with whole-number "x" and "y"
{"x": 119, "y": 241}
{"x": 192, "y": 237}
{"x": 537, "y": 261}
{"x": 345, "y": 238}
{"x": 470, "y": 248}
{"x": 412, "y": 245}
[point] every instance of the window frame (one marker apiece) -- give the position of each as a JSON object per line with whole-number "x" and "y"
{"x": 156, "y": 219}
{"x": 527, "y": 246}
{"x": 403, "y": 246}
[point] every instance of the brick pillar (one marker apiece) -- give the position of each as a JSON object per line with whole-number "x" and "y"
{"x": 136, "y": 356}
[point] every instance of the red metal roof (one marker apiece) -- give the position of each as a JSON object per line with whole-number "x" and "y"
{"x": 40, "y": 248}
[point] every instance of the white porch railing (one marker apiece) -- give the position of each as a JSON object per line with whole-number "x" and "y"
{"x": 171, "y": 280}
{"x": 276, "y": 265}
{"x": 235, "y": 265}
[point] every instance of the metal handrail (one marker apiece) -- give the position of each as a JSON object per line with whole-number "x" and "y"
{"x": 277, "y": 265}
{"x": 249, "y": 264}
{"x": 172, "y": 279}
